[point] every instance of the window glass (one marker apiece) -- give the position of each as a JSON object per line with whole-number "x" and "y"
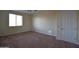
{"x": 19, "y": 20}
{"x": 12, "y": 20}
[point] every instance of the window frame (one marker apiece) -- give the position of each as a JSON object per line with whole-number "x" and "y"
{"x": 16, "y": 20}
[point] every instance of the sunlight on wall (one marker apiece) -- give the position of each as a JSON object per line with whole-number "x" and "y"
{"x": 45, "y": 22}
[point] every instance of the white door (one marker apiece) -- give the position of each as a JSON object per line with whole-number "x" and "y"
{"x": 67, "y": 26}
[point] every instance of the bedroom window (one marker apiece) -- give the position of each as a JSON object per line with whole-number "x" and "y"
{"x": 15, "y": 20}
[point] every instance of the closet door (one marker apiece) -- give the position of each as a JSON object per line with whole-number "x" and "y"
{"x": 67, "y": 26}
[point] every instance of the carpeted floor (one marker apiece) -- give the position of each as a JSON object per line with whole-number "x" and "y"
{"x": 33, "y": 40}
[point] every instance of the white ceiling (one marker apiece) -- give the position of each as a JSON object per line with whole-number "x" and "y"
{"x": 27, "y": 11}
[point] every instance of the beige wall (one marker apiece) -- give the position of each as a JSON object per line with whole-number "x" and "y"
{"x": 4, "y": 24}
{"x": 0, "y": 23}
{"x": 45, "y": 22}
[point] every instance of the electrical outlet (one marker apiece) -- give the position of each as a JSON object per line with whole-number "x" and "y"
{"x": 49, "y": 32}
